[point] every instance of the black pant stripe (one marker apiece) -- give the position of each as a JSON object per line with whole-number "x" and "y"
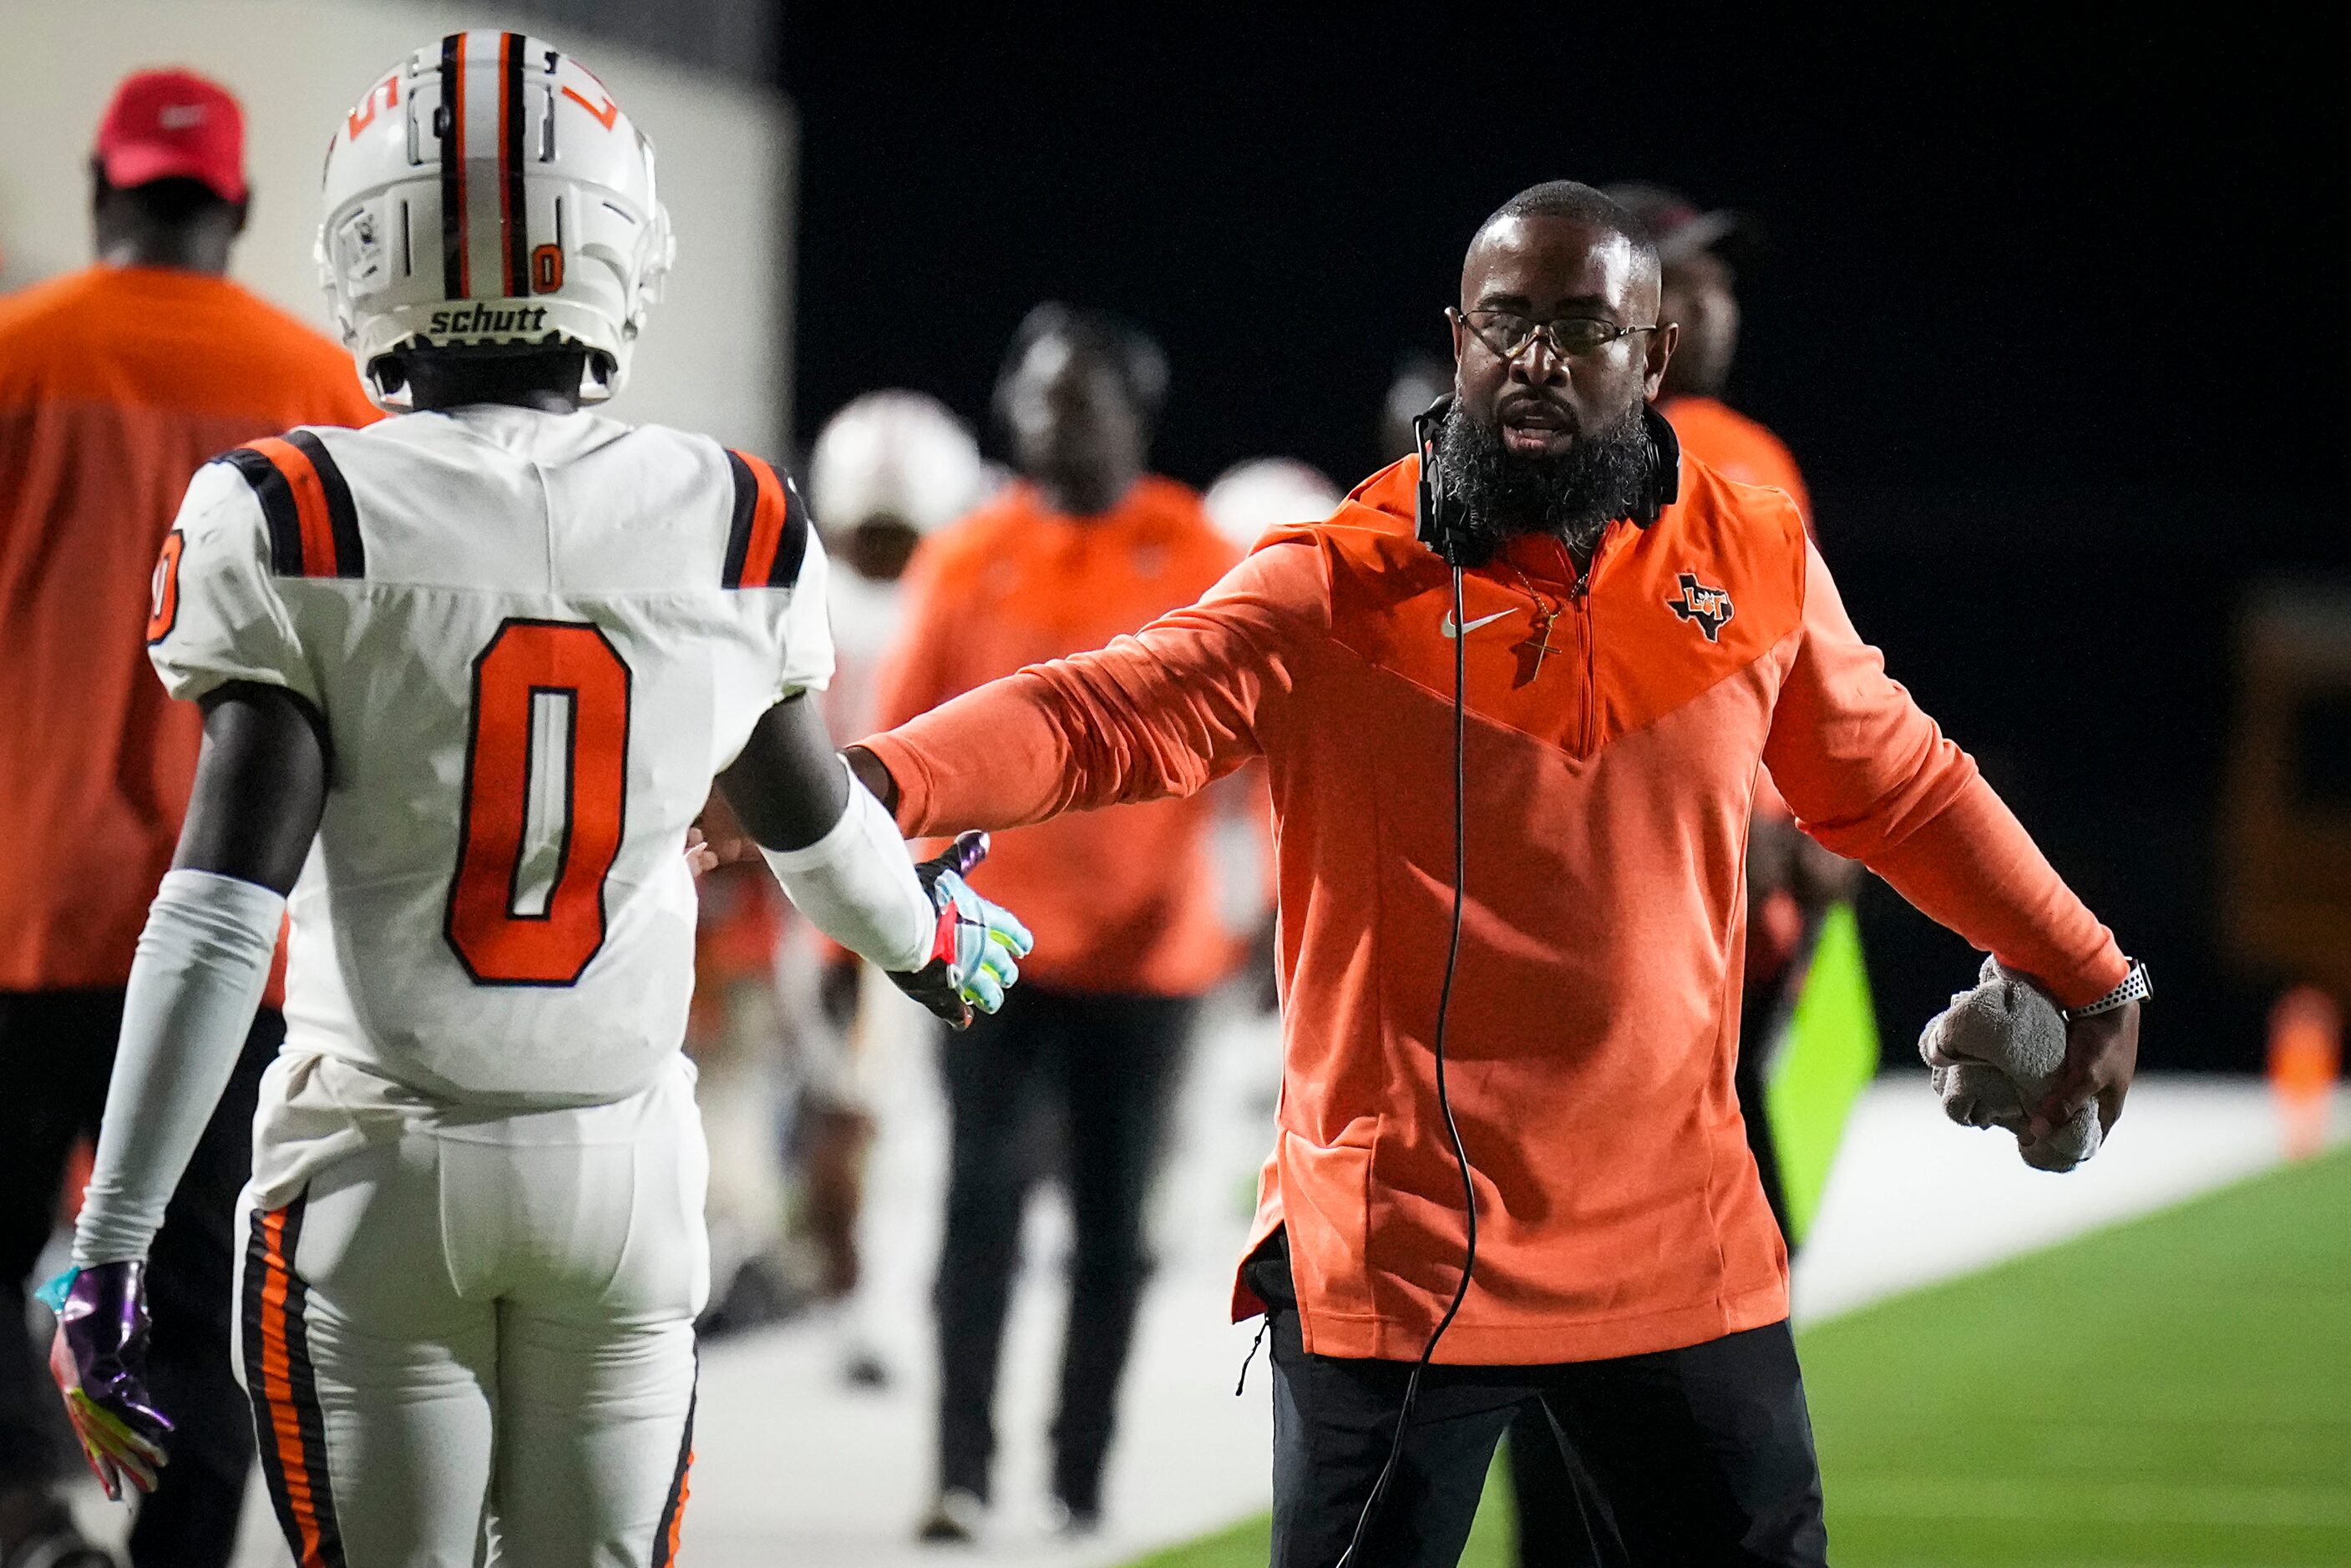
{"x": 272, "y": 1466}
{"x": 277, "y": 508}
{"x": 667, "y": 1533}
{"x": 351, "y": 553}
{"x": 304, "y": 1379}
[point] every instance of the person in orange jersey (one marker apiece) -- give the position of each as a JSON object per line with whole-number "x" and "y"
{"x": 117, "y": 382}
{"x": 1699, "y": 294}
{"x": 1638, "y": 637}
{"x": 1085, "y": 547}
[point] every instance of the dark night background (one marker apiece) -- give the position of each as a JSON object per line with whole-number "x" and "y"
{"x": 2044, "y": 315}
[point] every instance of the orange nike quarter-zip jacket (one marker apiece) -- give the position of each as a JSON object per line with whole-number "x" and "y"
{"x": 1611, "y": 765}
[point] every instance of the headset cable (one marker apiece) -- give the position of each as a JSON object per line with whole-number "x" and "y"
{"x": 1444, "y": 1102}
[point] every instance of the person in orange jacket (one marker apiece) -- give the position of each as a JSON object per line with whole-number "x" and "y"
{"x": 1639, "y": 636}
{"x": 1084, "y": 546}
{"x": 117, "y": 383}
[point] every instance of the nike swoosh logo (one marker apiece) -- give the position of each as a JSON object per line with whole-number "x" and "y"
{"x": 1449, "y": 629}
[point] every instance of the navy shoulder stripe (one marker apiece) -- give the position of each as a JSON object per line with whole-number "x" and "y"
{"x": 342, "y": 517}
{"x": 766, "y": 540}
{"x": 314, "y": 530}
{"x": 276, "y": 498}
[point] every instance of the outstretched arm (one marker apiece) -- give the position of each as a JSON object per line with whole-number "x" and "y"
{"x": 840, "y": 861}
{"x": 1871, "y": 776}
{"x": 1161, "y": 714}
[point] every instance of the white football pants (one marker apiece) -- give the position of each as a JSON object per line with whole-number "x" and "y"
{"x": 472, "y": 1339}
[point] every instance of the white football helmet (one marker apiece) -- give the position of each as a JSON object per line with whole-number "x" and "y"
{"x": 897, "y": 454}
{"x": 1267, "y": 493}
{"x": 489, "y": 192}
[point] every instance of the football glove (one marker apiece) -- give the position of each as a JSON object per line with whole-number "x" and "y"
{"x": 974, "y": 952}
{"x": 99, "y": 1360}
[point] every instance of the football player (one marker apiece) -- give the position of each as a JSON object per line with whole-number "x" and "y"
{"x": 468, "y": 675}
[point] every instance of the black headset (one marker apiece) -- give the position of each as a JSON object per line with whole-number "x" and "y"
{"x": 1440, "y": 521}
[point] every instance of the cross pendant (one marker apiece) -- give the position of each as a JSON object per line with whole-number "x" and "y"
{"x": 1539, "y": 647}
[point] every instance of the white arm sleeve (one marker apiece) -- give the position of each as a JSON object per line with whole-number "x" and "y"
{"x": 203, "y": 960}
{"x": 858, "y": 886}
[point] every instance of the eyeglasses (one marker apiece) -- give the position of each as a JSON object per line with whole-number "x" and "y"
{"x": 1507, "y": 333}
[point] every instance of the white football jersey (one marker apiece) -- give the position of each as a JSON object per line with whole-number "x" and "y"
{"x": 532, "y": 638}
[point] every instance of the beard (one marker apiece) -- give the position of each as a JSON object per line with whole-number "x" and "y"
{"x": 1606, "y": 474}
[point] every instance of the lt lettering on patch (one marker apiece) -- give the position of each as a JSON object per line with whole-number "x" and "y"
{"x": 1710, "y": 608}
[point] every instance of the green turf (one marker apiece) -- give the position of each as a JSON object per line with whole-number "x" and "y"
{"x": 2176, "y": 1390}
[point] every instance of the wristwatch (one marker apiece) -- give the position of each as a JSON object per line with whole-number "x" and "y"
{"x": 2137, "y": 986}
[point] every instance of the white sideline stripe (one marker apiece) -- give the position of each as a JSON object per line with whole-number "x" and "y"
{"x": 1914, "y": 1199}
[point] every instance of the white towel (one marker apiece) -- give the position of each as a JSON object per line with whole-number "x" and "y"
{"x": 1996, "y": 1051}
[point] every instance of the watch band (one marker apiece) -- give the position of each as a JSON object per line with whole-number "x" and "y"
{"x": 2137, "y": 986}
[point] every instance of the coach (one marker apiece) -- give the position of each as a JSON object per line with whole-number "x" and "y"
{"x": 1624, "y": 683}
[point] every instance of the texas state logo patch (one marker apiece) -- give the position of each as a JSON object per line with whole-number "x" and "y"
{"x": 1710, "y": 608}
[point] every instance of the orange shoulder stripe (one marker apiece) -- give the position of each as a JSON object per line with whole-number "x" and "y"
{"x": 314, "y": 529}
{"x": 768, "y": 537}
{"x": 309, "y": 503}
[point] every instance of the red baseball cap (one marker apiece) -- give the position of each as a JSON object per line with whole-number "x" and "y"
{"x": 173, "y": 125}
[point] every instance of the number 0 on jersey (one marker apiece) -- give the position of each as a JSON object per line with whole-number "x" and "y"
{"x": 546, "y": 769}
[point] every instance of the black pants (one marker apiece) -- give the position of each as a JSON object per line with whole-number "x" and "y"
{"x": 1548, "y": 1489}
{"x": 1105, "y": 1068}
{"x": 57, "y": 1052}
{"x": 1685, "y": 1459}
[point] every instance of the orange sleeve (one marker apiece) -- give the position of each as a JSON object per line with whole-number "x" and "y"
{"x": 1152, "y": 715}
{"x": 343, "y": 399}
{"x": 363, "y": 411}
{"x": 1871, "y": 777}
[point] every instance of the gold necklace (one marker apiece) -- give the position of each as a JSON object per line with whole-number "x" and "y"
{"x": 1547, "y": 614}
